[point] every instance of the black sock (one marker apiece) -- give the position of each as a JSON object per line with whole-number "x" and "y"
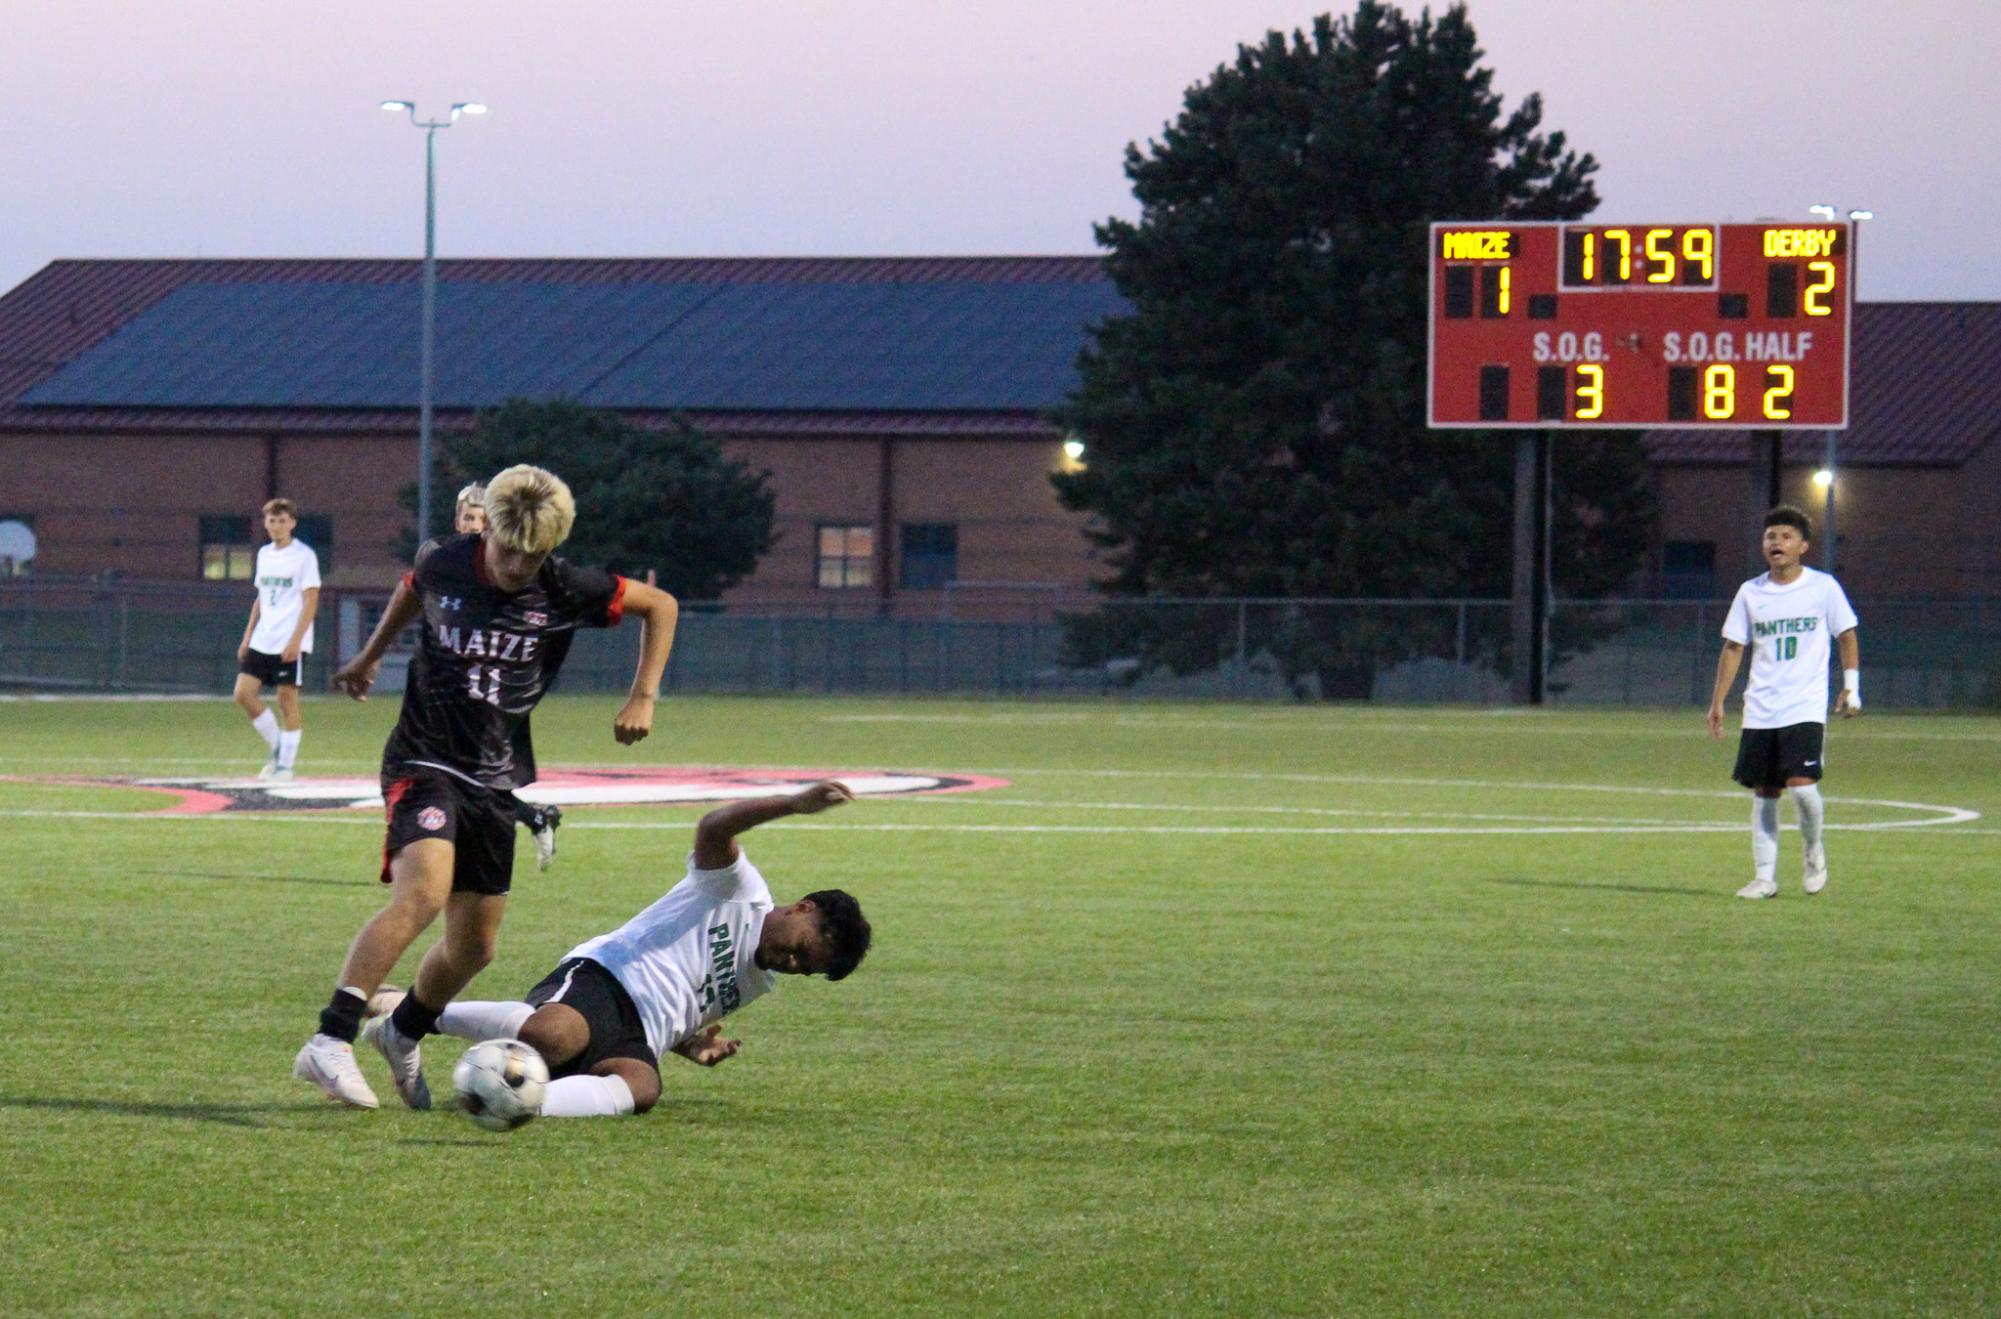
{"x": 412, "y": 1020}
{"x": 341, "y": 1017}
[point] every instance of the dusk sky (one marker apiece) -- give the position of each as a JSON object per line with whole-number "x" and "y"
{"x": 839, "y": 127}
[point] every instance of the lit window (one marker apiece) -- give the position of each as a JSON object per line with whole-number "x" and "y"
{"x": 228, "y": 554}
{"x": 847, "y": 556}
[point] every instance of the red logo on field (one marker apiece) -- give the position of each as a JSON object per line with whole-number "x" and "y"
{"x": 651, "y": 785}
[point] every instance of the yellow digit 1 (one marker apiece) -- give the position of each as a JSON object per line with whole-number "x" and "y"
{"x": 1625, "y": 251}
{"x": 1590, "y": 256}
{"x": 1502, "y": 297}
{"x": 1665, "y": 274}
{"x": 1590, "y": 391}
{"x": 1781, "y": 379}
{"x": 1698, "y": 248}
{"x": 1719, "y": 391}
{"x": 1811, "y": 298}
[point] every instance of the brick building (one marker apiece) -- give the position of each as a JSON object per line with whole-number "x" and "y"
{"x": 148, "y": 407}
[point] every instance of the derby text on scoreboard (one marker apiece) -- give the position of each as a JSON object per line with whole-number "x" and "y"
{"x": 1552, "y": 324}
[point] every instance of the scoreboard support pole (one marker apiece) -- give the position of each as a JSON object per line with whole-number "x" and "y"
{"x": 1530, "y": 612}
{"x": 1767, "y": 468}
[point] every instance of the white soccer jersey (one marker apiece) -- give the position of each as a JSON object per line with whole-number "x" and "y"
{"x": 690, "y": 958}
{"x": 1790, "y": 630}
{"x": 283, "y": 578}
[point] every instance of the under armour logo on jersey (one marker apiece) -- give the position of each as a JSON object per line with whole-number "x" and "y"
{"x": 450, "y": 603}
{"x": 535, "y": 618}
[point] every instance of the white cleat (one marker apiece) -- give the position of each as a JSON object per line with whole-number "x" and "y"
{"x": 279, "y": 774}
{"x": 545, "y": 837}
{"x": 329, "y": 1064}
{"x": 1760, "y": 888}
{"x": 270, "y": 770}
{"x": 406, "y": 1066}
{"x": 1816, "y": 870}
{"x": 380, "y": 1004}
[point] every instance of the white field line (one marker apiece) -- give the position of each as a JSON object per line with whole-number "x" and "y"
{"x": 1479, "y": 722}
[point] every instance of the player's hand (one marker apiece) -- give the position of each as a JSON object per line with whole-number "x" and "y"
{"x": 291, "y": 653}
{"x": 707, "y": 1047}
{"x": 1716, "y": 722}
{"x": 824, "y": 795}
{"x": 635, "y": 720}
{"x": 242, "y": 652}
{"x": 1844, "y": 707}
{"x": 355, "y": 677}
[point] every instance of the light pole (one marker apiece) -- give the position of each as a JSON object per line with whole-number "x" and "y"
{"x": 1824, "y": 478}
{"x": 430, "y": 311}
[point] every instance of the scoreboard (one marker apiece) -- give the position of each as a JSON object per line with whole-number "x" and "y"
{"x": 1553, "y": 324}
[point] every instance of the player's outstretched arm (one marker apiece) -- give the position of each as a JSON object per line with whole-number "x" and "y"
{"x": 715, "y": 836}
{"x": 1849, "y": 703}
{"x": 659, "y": 613}
{"x": 357, "y": 675}
{"x": 1726, "y": 675}
{"x": 707, "y": 1047}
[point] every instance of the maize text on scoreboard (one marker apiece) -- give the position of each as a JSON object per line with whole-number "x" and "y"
{"x": 1557, "y": 325}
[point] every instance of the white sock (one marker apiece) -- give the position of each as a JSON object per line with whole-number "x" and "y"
{"x": 266, "y": 725}
{"x": 1765, "y": 837}
{"x": 1812, "y": 811}
{"x": 588, "y": 1096}
{"x": 288, "y": 746}
{"x": 484, "y": 1021}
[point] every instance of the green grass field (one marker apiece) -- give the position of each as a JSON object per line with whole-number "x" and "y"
{"x": 1215, "y": 1010}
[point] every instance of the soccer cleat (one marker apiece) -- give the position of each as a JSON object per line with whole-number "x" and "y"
{"x": 271, "y": 770}
{"x": 279, "y": 775}
{"x": 1816, "y": 870}
{"x": 406, "y": 1066}
{"x": 329, "y": 1064}
{"x": 1760, "y": 888}
{"x": 380, "y": 1004}
{"x": 545, "y": 835}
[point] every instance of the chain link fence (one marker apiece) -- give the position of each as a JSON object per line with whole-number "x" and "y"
{"x": 121, "y": 636}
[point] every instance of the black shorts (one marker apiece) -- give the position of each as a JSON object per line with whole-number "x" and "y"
{"x": 613, "y": 1018}
{"x": 272, "y": 670}
{"x": 1767, "y": 757}
{"x": 478, "y": 822}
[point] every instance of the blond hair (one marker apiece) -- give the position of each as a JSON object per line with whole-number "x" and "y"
{"x": 473, "y": 495}
{"x": 529, "y": 510}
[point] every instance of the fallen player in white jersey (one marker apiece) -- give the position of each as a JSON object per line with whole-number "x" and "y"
{"x": 661, "y": 983}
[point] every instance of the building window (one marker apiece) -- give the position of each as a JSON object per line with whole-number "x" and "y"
{"x": 1688, "y": 569}
{"x": 930, "y": 555}
{"x": 17, "y": 544}
{"x": 228, "y": 554}
{"x": 316, "y": 530}
{"x": 847, "y": 556}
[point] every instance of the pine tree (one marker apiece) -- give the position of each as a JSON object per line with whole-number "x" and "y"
{"x": 1255, "y": 425}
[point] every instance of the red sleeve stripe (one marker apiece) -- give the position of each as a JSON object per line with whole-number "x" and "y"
{"x": 616, "y": 609}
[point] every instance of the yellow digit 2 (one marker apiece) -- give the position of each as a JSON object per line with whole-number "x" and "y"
{"x": 1655, "y": 253}
{"x": 1698, "y": 249}
{"x": 1781, "y": 381}
{"x": 1719, "y": 392}
{"x": 1590, "y": 392}
{"x": 1811, "y": 298}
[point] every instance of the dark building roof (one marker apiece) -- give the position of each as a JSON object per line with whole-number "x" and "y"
{"x": 1924, "y": 391}
{"x": 933, "y": 345}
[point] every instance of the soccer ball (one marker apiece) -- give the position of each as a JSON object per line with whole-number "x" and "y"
{"x": 500, "y": 1084}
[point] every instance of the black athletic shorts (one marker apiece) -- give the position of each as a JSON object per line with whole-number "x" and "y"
{"x": 613, "y": 1018}
{"x": 478, "y": 822}
{"x": 272, "y": 670}
{"x": 1767, "y": 757}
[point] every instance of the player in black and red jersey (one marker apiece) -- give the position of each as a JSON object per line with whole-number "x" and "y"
{"x": 498, "y": 613}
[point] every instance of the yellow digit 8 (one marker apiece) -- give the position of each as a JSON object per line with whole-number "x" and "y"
{"x": 1625, "y": 251}
{"x": 1719, "y": 391}
{"x": 1665, "y": 274}
{"x": 1698, "y": 248}
{"x": 1811, "y": 298}
{"x": 1781, "y": 380}
{"x": 1590, "y": 391}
